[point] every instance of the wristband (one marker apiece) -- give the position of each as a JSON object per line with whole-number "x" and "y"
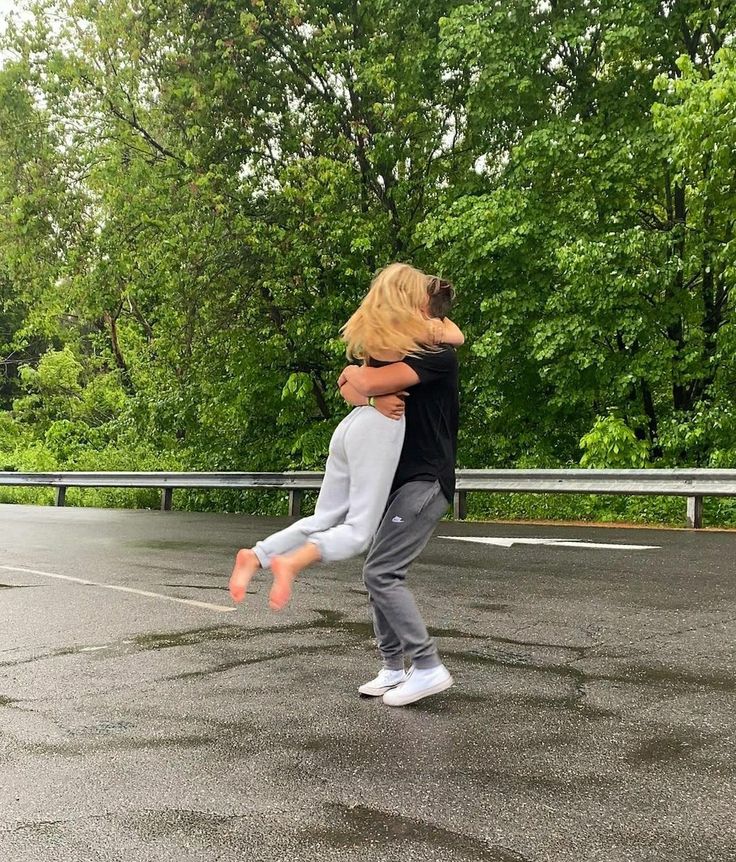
{"x": 372, "y": 401}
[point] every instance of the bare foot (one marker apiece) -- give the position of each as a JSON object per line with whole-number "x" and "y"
{"x": 284, "y": 572}
{"x": 246, "y": 565}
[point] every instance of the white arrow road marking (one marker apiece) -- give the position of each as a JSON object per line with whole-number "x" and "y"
{"x": 210, "y": 607}
{"x": 560, "y": 543}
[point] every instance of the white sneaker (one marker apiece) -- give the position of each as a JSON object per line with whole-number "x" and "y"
{"x": 420, "y": 682}
{"x": 385, "y": 681}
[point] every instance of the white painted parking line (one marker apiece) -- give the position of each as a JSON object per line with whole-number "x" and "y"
{"x": 559, "y": 543}
{"x": 210, "y": 607}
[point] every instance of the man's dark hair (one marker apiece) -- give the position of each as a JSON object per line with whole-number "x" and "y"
{"x": 441, "y": 295}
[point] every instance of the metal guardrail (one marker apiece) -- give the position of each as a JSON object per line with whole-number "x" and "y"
{"x": 296, "y": 483}
{"x": 693, "y": 484}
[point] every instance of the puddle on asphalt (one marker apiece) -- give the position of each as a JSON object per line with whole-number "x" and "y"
{"x": 665, "y": 748}
{"x": 258, "y": 659}
{"x": 488, "y": 656}
{"x": 360, "y": 824}
{"x": 190, "y": 637}
{"x": 335, "y": 620}
{"x": 661, "y": 675}
{"x": 326, "y": 620}
{"x": 489, "y": 606}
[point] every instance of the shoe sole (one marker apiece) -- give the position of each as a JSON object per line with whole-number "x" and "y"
{"x": 378, "y": 691}
{"x": 427, "y": 692}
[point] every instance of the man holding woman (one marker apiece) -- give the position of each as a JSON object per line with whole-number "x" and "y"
{"x": 406, "y": 355}
{"x": 423, "y": 487}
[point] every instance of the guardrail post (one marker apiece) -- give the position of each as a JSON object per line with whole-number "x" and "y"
{"x": 460, "y": 505}
{"x": 295, "y": 503}
{"x": 60, "y": 495}
{"x": 695, "y": 512}
{"x": 166, "y": 495}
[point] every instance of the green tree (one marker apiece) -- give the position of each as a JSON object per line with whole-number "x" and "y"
{"x": 585, "y": 237}
{"x": 193, "y": 197}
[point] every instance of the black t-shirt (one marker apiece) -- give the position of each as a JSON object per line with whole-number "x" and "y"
{"x": 432, "y": 418}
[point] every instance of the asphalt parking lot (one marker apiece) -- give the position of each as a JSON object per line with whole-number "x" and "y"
{"x": 143, "y": 718}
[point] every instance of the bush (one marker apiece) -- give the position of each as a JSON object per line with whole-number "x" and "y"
{"x": 611, "y": 443}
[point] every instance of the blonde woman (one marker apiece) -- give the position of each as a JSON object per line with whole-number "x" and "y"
{"x": 391, "y": 323}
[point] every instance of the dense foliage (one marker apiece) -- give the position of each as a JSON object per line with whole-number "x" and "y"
{"x": 193, "y": 197}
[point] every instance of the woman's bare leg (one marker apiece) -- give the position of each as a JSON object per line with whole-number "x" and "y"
{"x": 285, "y": 569}
{"x": 246, "y": 565}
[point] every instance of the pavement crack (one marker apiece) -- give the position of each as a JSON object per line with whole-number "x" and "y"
{"x": 34, "y": 824}
{"x": 275, "y": 656}
{"x": 701, "y": 627}
{"x": 634, "y": 674}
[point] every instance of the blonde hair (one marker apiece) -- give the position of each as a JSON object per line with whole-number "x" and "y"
{"x": 392, "y": 316}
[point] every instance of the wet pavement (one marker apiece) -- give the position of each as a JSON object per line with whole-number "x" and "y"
{"x": 593, "y": 716}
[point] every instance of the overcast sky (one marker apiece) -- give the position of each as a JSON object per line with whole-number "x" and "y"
{"x": 6, "y": 7}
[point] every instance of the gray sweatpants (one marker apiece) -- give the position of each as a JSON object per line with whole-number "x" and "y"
{"x": 364, "y": 453}
{"x": 411, "y": 515}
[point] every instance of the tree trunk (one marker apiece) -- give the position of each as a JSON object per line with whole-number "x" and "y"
{"x": 652, "y": 424}
{"x": 675, "y": 329}
{"x": 111, "y": 326}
